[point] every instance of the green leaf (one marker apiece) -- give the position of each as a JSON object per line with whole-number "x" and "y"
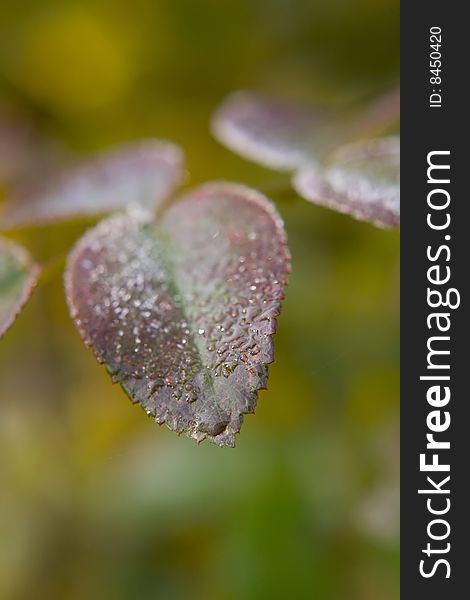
{"x": 362, "y": 180}
{"x": 18, "y": 277}
{"x": 143, "y": 173}
{"x": 182, "y": 308}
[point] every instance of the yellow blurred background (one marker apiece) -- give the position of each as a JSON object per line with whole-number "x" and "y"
{"x": 98, "y": 502}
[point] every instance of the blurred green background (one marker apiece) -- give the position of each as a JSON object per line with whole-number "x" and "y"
{"x": 96, "y": 501}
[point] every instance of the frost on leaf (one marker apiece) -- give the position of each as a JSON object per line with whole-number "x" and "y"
{"x": 362, "y": 180}
{"x": 182, "y": 308}
{"x": 143, "y": 173}
{"x": 271, "y": 132}
{"x": 18, "y": 277}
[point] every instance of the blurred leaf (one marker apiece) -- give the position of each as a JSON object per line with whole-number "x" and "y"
{"x": 23, "y": 150}
{"x": 15, "y": 142}
{"x": 144, "y": 172}
{"x": 286, "y": 135}
{"x": 182, "y": 308}
{"x": 362, "y": 180}
{"x": 18, "y": 277}
{"x": 269, "y": 131}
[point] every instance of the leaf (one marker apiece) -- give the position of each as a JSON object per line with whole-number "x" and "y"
{"x": 269, "y": 131}
{"x": 24, "y": 152}
{"x": 182, "y": 308}
{"x": 362, "y": 180}
{"x": 144, "y": 173}
{"x": 18, "y": 277}
{"x": 16, "y": 140}
{"x": 287, "y": 135}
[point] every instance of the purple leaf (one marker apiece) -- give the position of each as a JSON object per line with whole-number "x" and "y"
{"x": 18, "y": 277}
{"x": 286, "y": 135}
{"x": 271, "y": 132}
{"x": 24, "y": 152}
{"x": 362, "y": 180}
{"x": 143, "y": 173}
{"x": 182, "y": 308}
{"x": 16, "y": 141}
